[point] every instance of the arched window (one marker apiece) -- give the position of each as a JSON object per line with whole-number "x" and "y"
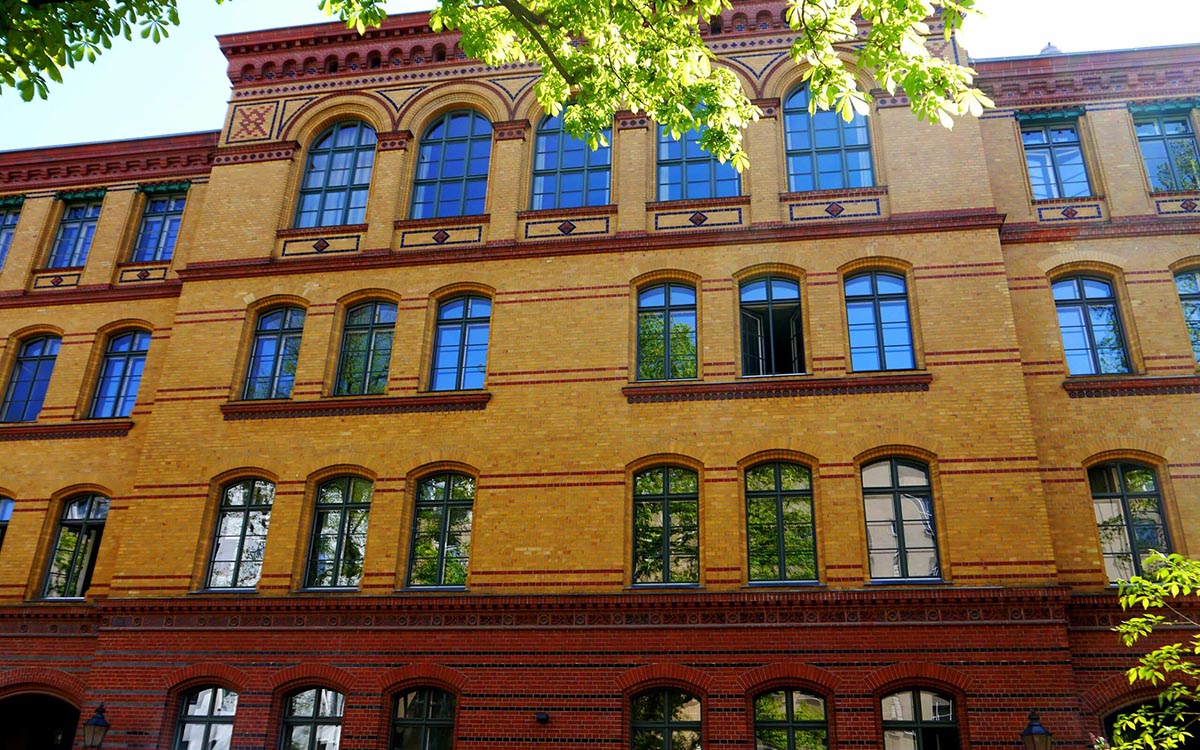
{"x": 339, "y": 535}
{"x": 1089, "y": 319}
{"x": 919, "y": 720}
{"x": 901, "y": 531}
{"x": 566, "y": 173}
{"x": 73, "y": 557}
{"x": 29, "y": 380}
{"x": 6, "y": 509}
{"x": 780, "y": 530}
{"x": 241, "y": 534}
{"x": 424, "y": 720}
{"x": 441, "y": 540}
{"x": 666, "y": 526}
{"x": 274, "y": 354}
{"x": 452, "y": 166}
{"x": 206, "y": 719}
{"x": 789, "y": 719}
{"x": 337, "y": 176}
{"x": 461, "y": 346}
{"x": 688, "y": 172}
{"x": 823, "y": 151}
{"x": 366, "y": 349}
{"x": 1188, "y": 286}
{"x": 1174, "y": 717}
{"x": 1129, "y": 516}
{"x": 120, "y": 375}
{"x": 772, "y": 332}
{"x": 666, "y": 345}
{"x": 665, "y": 719}
{"x": 312, "y": 720}
{"x": 878, "y": 322}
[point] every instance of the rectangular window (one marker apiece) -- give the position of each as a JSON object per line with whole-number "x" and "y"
{"x": 1054, "y": 157}
{"x": 8, "y": 227}
{"x": 160, "y": 228}
{"x": 74, "y": 238}
{"x": 6, "y": 509}
{"x": 1169, "y": 152}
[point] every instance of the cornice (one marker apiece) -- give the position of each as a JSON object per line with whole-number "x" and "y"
{"x": 69, "y": 431}
{"x": 116, "y": 161}
{"x": 1123, "y": 226}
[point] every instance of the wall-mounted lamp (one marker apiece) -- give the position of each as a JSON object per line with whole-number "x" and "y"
{"x": 94, "y": 730}
{"x": 1035, "y": 736}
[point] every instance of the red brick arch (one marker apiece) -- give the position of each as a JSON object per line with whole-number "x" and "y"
{"x": 657, "y": 675}
{"x": 777, "y": 675}
{"x": 207, "y": 672}
{"x": 319, "y": 674}
{"x": 42, "y": 680}
{"x": 914, "y": 672}
{"x": 403, "y": 678}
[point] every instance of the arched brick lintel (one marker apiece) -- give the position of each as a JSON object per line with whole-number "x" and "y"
{"x": 657, "y": 675}
{"x": 774, "y": 675}
{"x": 207, "y": 673}
{"x": 42, "y": 680}
{"x": 911, "y": 672}
{"x": 403, "y": 678}
{"x": 304, "y": 674}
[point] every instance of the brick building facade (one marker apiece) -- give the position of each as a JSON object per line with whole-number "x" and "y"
{"x": 386, "y": 414}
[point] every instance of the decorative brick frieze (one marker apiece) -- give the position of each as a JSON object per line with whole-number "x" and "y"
{"x": 120, "y": 161}
{"x": 397, "y": 141}
{"x": 71, "y": 431}
{"x": 1108, "y": 387}
{"x": 252, "y": 154}
{"x": 513, "y": 130}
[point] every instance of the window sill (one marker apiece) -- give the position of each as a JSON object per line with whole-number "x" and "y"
{"x": 73, "y": 430}
{"x": 859, "y": 192}
{"x": 224, "y": 592}
{"x": 733, "y": 200}
{"x": 664, "y": 587}
{"x": 442, "y": 221}
{"x": 356, "y": 405}
{"x": 1078, "y": 199}
{"x": 328, "y": 590}
{"x": 1109, "y": 386}
{"x": 59, "y": 269}
{"x": 539, "y": 213}
{"x": 784, "y": 585}
{"x": 909, "y": 582}
{"x": 432, "y": 590}
{"x": 777, "y": 388}
{"x": 320, "y": 231}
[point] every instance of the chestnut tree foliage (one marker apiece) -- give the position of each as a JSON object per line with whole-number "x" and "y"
{"x": 603, "y": 56}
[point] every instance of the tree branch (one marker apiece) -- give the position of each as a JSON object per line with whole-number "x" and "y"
{"x": 531, "y": 21}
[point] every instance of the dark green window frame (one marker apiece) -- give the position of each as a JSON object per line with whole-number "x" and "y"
{"x": 1054, "y": 161}
{"x": 566, "y": 172}
{"x": 271, "y": 372}
{"x": 820, "y": 157}
{"x": 208, "y": 712}
{"x": 6, "y": 509}
{"x": 666, "y": 719}
{"x": 772, "y": 329}
{"x": 687, "y": 172}
{"x": 310, "y": 715}
{"x": 780, "y": 525}
{"x": 461, "y": 345}
{"x": 120, "y": 375}
{"x": 667, "y": 338}
{"x": 920, "y": 720}
{"x": 789, "y": 719}
{"x": 9, "y": 216}
{"x": 29, "y": 379}
{"x": 339, "y": 533}
{"x": 160, "y": 228}
{"x": 75, "y": 232}
{"x": 1169, "y": 151}
{"x": 1187, "y": 284}
{"x": 337, "y": 176}
{"x": 1129, "y": 516}
{"x": 879, "y": 322}
{"x": 1089, "y": 320}
{"x": 423, "y": 720}
{"x": 366, "y": 351}
{"x": 452, "y": 166}
{"x": 666, "y": 527}
{"x": 900, "y": 504}
{"x": 76, "y": 544}
{"x": 240, "y": 536}
{"x": 440, "y": 553}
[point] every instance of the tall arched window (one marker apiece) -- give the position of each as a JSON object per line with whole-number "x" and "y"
{"x": 424, "y": 720}
{"x": 337, "y": 176}
{"x": 339, "y": 533}
{"x": 666, "y": 526}
{"x": 461, "y": 346}
{"x": 901, "y": 531}
{"x": 566, "y": 173}
{"x": 29, "y": 380}
{"x": 1129, "y": 516}
{"x": 789, "y": 719}
{"x": 1089, "y": 319}
{"x": 666, "y": 343}
{"x": 688, "y": 172}
{"x": 241, "y": 534}
{"x": 823, "y": 151}
{"x": 772, "y": 332}
{"x": 274, "y": 354}
{"x": 919, "y": 720}
{"x": 665, "y": 719}
{"x": 366, "y": 354}
{"x": 312, "y": 720}
{"x": 452, "y": 166}
{"x": 75, "y": 546}
{"x": 878, "y": 322}
{"x": 780, "y": 529}
{"x": 1188, "y": 286}
{"x": 206, "y": 719}
{"x": 120, "y": 375}
{"x": 441, "y": 540}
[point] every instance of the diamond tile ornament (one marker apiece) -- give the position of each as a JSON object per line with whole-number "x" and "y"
{"x": 1189, "y": 205}
{"x": 56, "y": 281}
{"x": 320, "y": 245}
{"x": 441, "y": 236}
{"x": 143, "y": 275}
{"x": 835, "y": 209}
{"x": 1070, "y": 212}
{"x": 566, "y": 227}
{"x": 697, "y": 218}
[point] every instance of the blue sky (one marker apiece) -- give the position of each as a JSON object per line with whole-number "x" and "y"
{"x": 141, "y": 89}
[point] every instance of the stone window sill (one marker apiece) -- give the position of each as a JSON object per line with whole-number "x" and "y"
{"x": 1125, "y": 385}
{"x": 71, "y": 430}
{"x": 355, "y": 405}
{"x": 777, "y": 388}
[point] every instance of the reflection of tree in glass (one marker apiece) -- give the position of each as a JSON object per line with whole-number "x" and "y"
{"x": 666, "y": 526}
{"x": 441, "y": 546}
{"x": 779, "y": 521}
{"x": 1182, "y": 170}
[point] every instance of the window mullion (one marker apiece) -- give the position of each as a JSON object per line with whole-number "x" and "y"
{"x": 444, "y": 534}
